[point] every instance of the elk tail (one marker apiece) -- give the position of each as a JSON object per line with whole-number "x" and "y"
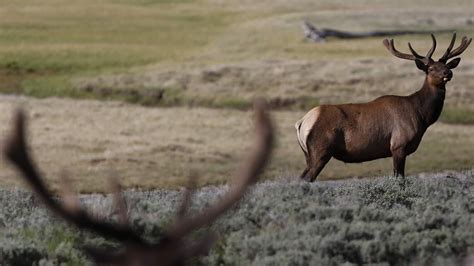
{"x": 301, "y": 141}
{"x": 304, "y": 127}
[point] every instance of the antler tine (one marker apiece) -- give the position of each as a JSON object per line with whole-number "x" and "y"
{"x": 462, "y": 47}
{"x": 16, "y": 152}
{"x": 433, "y": 48}
{"x": 391, "y": 48}
{"x": 186, "y": 198}
{"x": 444, "y": 58}
{"x": 414, "y": 52}
{"x": 119, "y": 201}
{"x": 426, "y": 59}
{"x": 250, "y": 169}
{"x": 246, "y": 175}
{"x": 70, "y": 201}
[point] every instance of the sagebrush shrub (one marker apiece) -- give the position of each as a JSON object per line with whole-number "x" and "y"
{"x": 425, "y": 220}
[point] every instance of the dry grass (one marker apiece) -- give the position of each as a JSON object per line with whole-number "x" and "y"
{"x": 292, "y": 82}
{"x": 211, "y": 53}
{"x": 161, "y": 147}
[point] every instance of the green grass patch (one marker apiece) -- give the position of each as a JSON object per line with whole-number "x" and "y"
{"x": 89, "y": 38}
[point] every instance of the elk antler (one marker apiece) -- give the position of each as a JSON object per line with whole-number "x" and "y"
{"x": 15, "y": 151}
{"x": 245, "y": 176}
{"x": 425, "y": 59}
{"x": 450, "y": 54}
{"x": 172, "y": 248}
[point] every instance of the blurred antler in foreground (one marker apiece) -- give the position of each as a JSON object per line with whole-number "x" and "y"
{"x": 173, "y": 248}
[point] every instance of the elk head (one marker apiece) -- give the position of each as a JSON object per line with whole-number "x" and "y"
{"x": 438, "y": 73}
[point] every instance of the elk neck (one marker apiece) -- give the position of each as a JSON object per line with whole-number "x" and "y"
{"x": 428, "y": 102}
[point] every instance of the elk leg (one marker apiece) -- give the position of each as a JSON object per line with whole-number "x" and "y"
{"x": 304, "y": 172}
{"x": 307, "y": 165}
{"x": 316, "y": 167}
{"x": 399, "y": 158}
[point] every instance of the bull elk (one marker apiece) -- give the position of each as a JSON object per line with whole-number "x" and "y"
{"x": 389, "y": 126}
{"x": 174, "y": 248}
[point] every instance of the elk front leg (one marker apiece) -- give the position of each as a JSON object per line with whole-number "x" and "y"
{"x": 399, "y": 158}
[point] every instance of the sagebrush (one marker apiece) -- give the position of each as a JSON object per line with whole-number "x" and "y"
{"x": 429, "y": 219}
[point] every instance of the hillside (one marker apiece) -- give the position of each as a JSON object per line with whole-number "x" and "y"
{"x": 283, "y": 222}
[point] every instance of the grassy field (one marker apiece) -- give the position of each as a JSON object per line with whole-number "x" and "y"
{"x": 278, "y": 223}
{"x": 215, "y": 54}
{"x": 214, "y": 57}
{"x": 162, "y": 147}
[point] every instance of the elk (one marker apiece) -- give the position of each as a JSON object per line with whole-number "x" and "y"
{"x": 173, "y": 248}
{"x": 389, "y": 126}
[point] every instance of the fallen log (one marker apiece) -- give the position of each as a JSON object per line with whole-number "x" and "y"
{"x": 320, "y": 35}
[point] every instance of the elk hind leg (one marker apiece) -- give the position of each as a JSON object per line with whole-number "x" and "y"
{"x": 316, "y": 165}
{"x": 307, "y": 165}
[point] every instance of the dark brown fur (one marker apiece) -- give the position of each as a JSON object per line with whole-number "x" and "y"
{"x": 389, "y": 126}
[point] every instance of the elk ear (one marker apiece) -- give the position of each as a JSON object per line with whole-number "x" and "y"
{"x": 453, "y": 63}
{"x": 421, "y": 66}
